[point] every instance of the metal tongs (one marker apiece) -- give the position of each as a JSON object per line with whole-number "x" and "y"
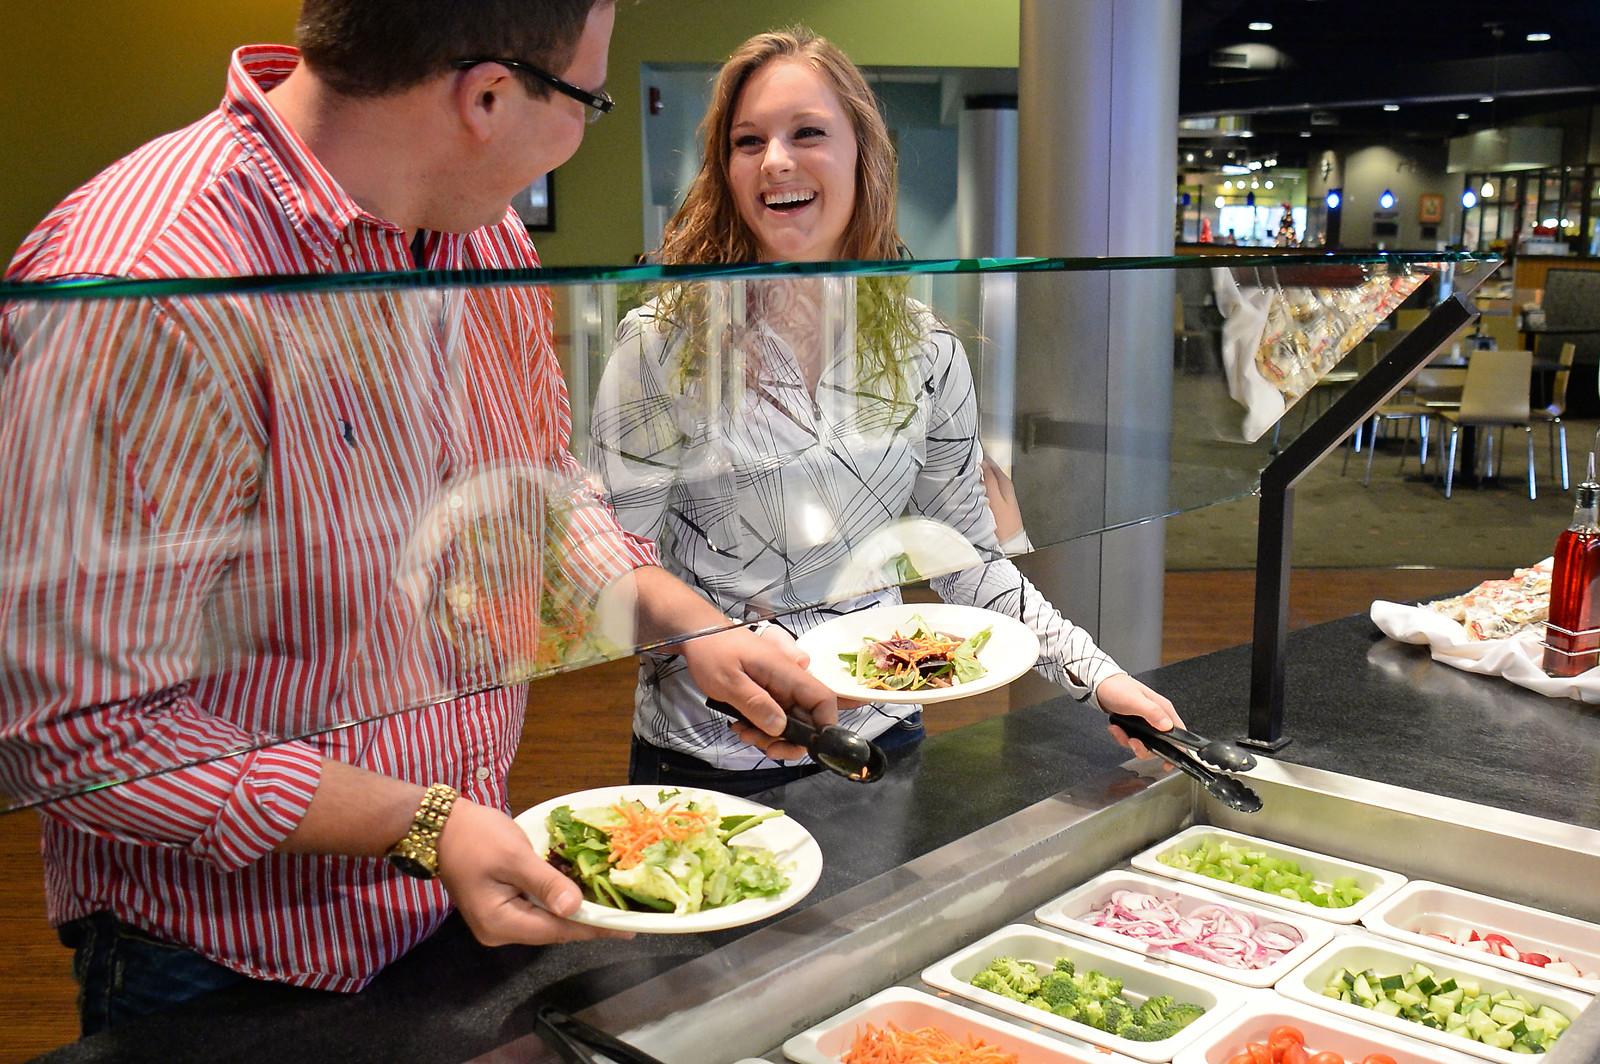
{"x": 1192, "y": 753}
{"x": 836, "y": 749}
{"x": 580, "y": 1043}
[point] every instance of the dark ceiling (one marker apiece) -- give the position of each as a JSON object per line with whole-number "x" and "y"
{"x": 1329, "y": 66}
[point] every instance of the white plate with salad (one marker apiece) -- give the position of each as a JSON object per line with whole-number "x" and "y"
{"x": 917, "y": 653}
{"x": 674, "y": 860}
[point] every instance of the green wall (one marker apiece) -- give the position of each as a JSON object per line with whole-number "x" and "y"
{"x": 85, "y": 81}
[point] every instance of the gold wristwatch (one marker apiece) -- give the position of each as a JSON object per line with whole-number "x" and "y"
{"x": 417, "y": 854}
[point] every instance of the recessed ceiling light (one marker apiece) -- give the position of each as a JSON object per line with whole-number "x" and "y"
{"x": 1391, "y": 107}
{"x": 1305, "y": 132}
{"x": 1246, "y": 133}
{"x": 1189, "y": 158}
{"x": 1533, "y": 38}
{"x": 1269, "y": 184}
{"x": 1263, "y": 27}
{"x": 1486, "y": 99}
{"x": 1463, "y": 116}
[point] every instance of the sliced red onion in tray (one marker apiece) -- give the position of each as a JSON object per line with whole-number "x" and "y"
{"x": 1216, "y": 933}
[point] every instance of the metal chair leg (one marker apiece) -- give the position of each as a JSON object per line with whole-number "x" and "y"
{"x": 1561, "y": 427}
{"x": 1450, "y": 462}
{"x": 1372, "y": 449}
{"x": 1422, "y": 434}
{"x": 1533, "y": 490}
{"x": 1405, "y": 445}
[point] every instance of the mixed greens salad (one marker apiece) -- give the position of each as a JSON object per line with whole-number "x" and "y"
{"x": 922, "y": 659}
{"x": 671, "y": 857}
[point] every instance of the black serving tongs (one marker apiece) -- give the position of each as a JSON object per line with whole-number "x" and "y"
{"x": 834, "y": 748}
{"x": 1191, "y": 753}
{"x": 581, "y": 1043}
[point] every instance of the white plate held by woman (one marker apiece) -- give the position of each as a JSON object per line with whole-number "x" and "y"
{"x": 796, "y": 851}
{"x": 1011, "y": 650}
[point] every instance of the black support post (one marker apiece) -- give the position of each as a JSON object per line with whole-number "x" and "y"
{"x": 1275, "y": 533}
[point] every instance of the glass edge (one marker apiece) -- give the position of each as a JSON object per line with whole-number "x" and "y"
{"x": 87, "y": 288}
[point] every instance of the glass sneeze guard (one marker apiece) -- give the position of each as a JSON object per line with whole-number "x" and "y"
{"x": 343, "y": 492}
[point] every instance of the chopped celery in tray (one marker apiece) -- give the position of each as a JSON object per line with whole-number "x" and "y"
{"x": 1256, "y": 870}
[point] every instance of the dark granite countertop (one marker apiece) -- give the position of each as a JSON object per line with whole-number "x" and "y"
{"x": 1357, "y": 704}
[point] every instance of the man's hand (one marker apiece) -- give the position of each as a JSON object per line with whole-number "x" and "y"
{"x": 504, "y": 891}
{"x": 1123, "y": 694}
{"x": 761, "y": 677}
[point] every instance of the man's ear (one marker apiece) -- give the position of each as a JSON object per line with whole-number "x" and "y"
{"x": 480, "y": 96}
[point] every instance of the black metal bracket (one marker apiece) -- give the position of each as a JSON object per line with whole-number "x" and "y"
{"x": 1275, "y": 527}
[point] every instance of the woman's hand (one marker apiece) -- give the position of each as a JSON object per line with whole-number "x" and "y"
{"x": 1002, "y": 501}
{"x": 1123, "y": 694}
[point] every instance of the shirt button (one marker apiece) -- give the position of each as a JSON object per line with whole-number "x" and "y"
{"x": 482, "y": 773}
{"x": 457, "y": 502}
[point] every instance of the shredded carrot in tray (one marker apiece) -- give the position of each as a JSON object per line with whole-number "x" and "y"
{"x": 925, "y": 1045}
{"x": 643, "y": 827}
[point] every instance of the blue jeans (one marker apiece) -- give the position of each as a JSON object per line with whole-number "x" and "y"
{"x": 124, "y": 973}
{"x": 652, "y": 764}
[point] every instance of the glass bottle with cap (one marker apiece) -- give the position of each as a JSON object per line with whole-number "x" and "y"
{"x": 1572, "y": 633}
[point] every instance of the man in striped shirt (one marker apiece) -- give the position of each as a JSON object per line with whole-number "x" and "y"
{"x": 242, "y": 534}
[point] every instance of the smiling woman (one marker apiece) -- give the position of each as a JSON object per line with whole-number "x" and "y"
{"x": 793, "y": 163}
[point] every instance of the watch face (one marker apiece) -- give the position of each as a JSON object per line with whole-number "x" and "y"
{"x": 411, "y": 866}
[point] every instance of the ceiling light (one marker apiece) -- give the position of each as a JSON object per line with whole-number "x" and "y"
{"x": 1232, "y": 168}
{"x": 1272, "y": 162}
{"x": 1486, "y": 99}
{"x": 1254, "y": 183}
{"x": 1462, "y": 117}
{"x": 1246, "y": 133}
{"x": 1255, "y": 164}
{"x": 1487, "y": 191}
{"x": 1263, "y": 27}
{"x": 1189, "y": 158}
{"x": 1227, "y": 186}
{"x": 1533, "y": 38}
{"x": 1208, "y": 153}
{"x": 1391, "y": 107}
{"x": 1269, "y": 183}
{"x": 1305, "y": 132}
{"x": 1549, "y": 223}
{"x": 1469, "y": 199}
{"x": 1222, "y": 201}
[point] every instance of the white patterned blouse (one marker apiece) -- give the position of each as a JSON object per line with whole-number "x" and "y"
{"x": 758, "y": 492}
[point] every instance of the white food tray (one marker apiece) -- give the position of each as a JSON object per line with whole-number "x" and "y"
{"x": 1421, "y": 906}
{"x": 1360, "y": 951}
{"x": 1324, "y": 1033}
{"x": 1070, "y": 912}
{"x": 1377, "y": 882}
{"x": 908, "y": 1009}
{"x": 1141, "y": 977}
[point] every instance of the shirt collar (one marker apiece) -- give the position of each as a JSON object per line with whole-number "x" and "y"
{"x": 318, "y": 207}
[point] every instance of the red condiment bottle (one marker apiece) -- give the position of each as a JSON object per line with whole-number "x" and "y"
{"x": 1572, "y": 634}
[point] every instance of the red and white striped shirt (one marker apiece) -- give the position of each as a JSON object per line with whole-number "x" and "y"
{"x": 233, "y": 523}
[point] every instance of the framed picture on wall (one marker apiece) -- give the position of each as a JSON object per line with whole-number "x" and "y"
{"x": 536, "y": 205}
{"x": 1430, "y": 208}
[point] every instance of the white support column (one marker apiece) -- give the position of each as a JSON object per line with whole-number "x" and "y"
{"x": 1097, "y": 133}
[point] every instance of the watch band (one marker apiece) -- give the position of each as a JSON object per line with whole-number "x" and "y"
{"x": 417, "y": 852}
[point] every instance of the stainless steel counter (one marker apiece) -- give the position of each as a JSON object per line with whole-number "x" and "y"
{"x": 747, "y": 998}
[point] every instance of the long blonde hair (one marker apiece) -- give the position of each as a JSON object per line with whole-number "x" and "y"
{"x": 707, "y": 228}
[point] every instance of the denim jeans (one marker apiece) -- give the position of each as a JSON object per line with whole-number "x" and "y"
{"x": 124, "y": 973}
{"x": 651, "y": 764}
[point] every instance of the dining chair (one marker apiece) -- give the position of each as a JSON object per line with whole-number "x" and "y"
{"x": 1552, "y": 413}
{"x": 1495, "y": 396}
{"x": 1398, "y": 409}
{"x": 1502, "y": 328}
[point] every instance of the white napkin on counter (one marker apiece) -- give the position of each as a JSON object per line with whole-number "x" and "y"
{"x": 1518, "y": 658}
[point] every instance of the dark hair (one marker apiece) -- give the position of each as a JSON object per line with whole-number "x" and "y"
{"x": 376, "y": 47}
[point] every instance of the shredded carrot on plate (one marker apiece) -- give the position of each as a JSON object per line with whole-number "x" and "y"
{"x": 643, "y": 827}
{"x": 925, "y": 1045}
